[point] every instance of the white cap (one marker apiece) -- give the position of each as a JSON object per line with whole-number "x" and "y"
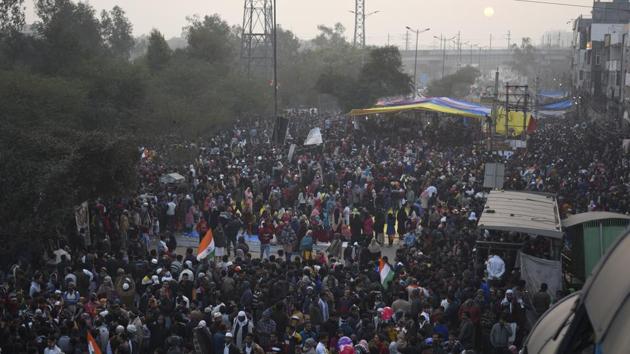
{"x": 131, "y": 328}
{"x": 125, "y": 286}
{"x": 229, "y": 335}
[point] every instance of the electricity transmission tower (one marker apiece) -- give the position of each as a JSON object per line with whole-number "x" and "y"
{"x": 359, "y": 23}
{"x": 257, "y": 37}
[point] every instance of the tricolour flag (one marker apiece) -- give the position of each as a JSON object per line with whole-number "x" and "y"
{"x": 93, "y": 347}
{"x": 206, "y": 247}
{"x": 386, "y": 272}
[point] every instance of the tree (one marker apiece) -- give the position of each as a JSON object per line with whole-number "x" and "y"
{"x": 45, "y": 172}
{"x": 381, "y": 76}
{"x": 71, "y": 34}
{"x": 454, "y": 85}
{"x": 11, "y": 16}
{"x": 158, "y": 52}
{"x": 117, "y": 32}
{"x": 211, "y": 39}
{"x": 524, "y": 58}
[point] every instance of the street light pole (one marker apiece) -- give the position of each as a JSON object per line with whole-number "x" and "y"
{"x": 415, "y": 67}
{"x": 275, "y": 63}
{"x": 444, "y": 41}
{"x": 415, "y": 62}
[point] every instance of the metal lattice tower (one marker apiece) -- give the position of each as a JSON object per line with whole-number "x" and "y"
{"x": 257, "y": 37}
{"x": 359, "y": 23}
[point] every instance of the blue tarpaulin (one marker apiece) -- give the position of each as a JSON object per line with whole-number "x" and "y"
{"x": 558, "y": 106}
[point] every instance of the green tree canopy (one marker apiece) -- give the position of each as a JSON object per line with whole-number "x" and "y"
{"x": 454, "y": 85}
{"x": 12, "y": 17}
{"x": 211, "y": 39}
{"x": 158, "y": 52}
{"x": 117, "y": 32}
{"x": 524, "y": 58}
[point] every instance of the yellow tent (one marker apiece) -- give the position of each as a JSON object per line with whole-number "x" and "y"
{"x": 515, "y": 122}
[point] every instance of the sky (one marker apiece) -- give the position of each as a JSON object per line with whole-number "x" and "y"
{"x": 446, "y": 17}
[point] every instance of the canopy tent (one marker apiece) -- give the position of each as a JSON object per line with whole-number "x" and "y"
{"x": 557, "y": 106}
{"x": 532, "y": 213}
{"x": 552, "y": 94}
{"x": 433, "y": 104}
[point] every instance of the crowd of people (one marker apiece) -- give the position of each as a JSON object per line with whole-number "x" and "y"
{"x": 380, "y": 194}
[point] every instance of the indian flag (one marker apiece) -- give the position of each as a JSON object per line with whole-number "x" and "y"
{"x": 386, "y": 272}
{"x": 93, "y": 347}
{"x": 206, "y": 247}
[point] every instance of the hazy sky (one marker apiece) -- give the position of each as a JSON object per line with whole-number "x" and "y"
{"x": 303, "y": 16}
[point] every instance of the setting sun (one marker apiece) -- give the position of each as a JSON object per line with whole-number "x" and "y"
{"x": 488, "y": 12}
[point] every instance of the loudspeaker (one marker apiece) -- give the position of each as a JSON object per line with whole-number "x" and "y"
{"x": 280, "y": 130}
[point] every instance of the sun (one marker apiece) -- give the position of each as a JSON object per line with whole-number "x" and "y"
{"x": 488, "y": 11}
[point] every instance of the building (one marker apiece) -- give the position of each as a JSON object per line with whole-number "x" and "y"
{"x": 600, "y": 51}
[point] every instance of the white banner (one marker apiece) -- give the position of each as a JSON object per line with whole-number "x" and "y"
{"x": 536, "y": 271}
{"x": 314, "y": 137}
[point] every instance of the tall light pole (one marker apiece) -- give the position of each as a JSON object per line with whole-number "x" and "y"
{"x": 415, "y": 62}
{"x": 275, "y": 63}
{"x": 444, "y": 41}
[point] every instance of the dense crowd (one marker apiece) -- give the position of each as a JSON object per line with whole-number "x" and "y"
{"x": 379, "y": 192}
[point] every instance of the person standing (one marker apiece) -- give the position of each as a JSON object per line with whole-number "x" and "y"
{"x": 495, "y": 266}
{"x": 391, "y": 227}
{"x": 500, "y": 336}
{"x": 229, "y": 347}
{"x": 541, "y": 300}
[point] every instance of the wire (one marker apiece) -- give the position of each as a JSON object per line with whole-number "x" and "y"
{"x": 605, "y": 8}
{"x": 554, "y": 3}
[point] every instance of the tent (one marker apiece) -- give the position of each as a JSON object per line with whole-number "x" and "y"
{"x": 433, "y": 104}
{"x": 172, "y": 178}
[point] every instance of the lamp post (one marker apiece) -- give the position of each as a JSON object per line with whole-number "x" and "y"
{"x": 415, "y": 61}
{"x": 444, "y": 41}
{"x": 275, "y": 63}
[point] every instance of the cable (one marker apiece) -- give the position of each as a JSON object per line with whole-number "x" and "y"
{"x": 575, "y": 5}
{"x": 555, "y": 3}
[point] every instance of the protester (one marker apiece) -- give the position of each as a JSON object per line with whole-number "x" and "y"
{"x": 313, "y": 283}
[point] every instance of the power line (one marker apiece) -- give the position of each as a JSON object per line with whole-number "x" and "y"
{"x": 554, "y": 3}
{"x": 577, "y": 5}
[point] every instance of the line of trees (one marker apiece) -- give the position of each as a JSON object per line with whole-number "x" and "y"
{"x": 75, "y": 106}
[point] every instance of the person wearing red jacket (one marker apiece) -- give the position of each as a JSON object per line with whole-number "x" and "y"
{"x": 265, "y": 234}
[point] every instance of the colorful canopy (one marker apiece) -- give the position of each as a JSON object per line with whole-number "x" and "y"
{"x": 434, "y": 104}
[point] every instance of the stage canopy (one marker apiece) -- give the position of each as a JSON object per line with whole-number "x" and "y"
{"x": 531, "y": 213}
{"x": 433, "y": 104}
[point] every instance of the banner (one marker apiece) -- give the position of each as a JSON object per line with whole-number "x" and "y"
{"x": 314, "y": 137}
{"x": 82, "y": 219}
{"x": 536, "y": 271}
{"x": 291, "y": 152}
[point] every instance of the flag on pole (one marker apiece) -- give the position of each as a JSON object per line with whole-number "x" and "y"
{"x": 206, "y": 247}
{"x": 386, "y": 273}
{"x": 93, "y": 347}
